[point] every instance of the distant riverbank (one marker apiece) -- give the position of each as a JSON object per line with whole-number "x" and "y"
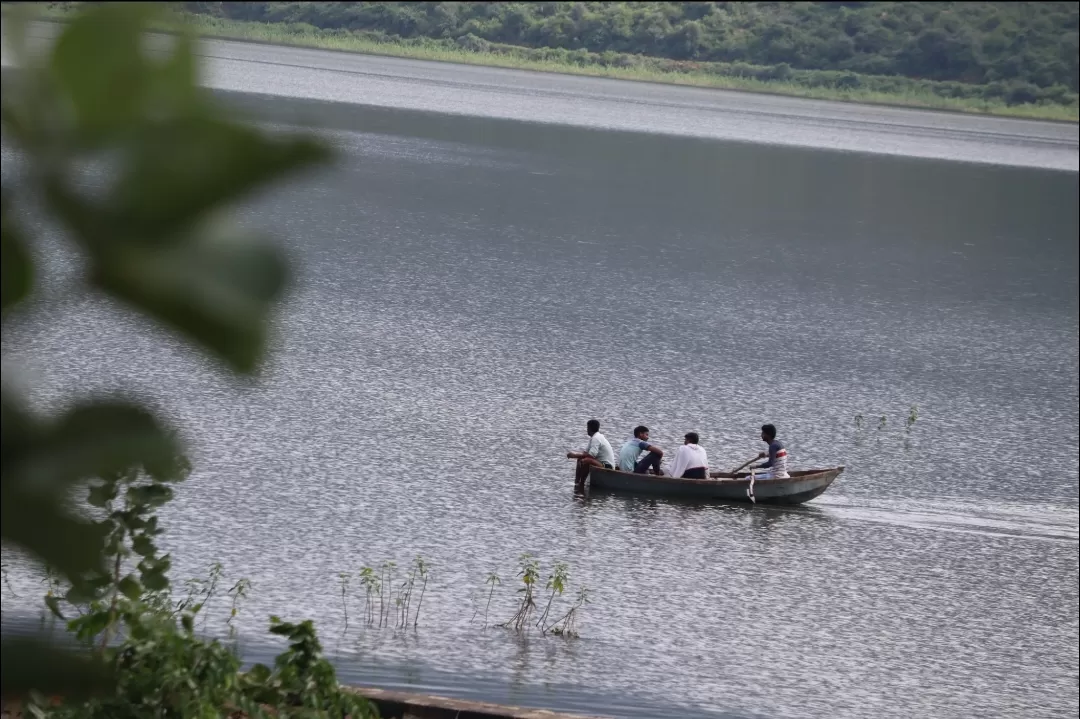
{"x": 847, "y": 87}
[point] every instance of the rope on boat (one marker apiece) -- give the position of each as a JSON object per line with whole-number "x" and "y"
{"x": 750, "y": 489}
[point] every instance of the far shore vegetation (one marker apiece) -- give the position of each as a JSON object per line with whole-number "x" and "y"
{"x": 1014, "y": 60}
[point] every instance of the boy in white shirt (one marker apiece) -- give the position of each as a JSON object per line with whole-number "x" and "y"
{"x": 691, "y": 462}
{"x": 597, "y": 454}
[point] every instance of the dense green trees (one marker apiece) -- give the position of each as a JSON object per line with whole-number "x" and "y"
{"x": 1023, "y": 47}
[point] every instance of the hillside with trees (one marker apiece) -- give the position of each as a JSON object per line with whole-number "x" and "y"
{"x": 1032, "y": 46}
{"x": 1018, "y": 59}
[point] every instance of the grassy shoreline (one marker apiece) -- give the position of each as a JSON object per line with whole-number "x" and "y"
{"x": 438, "y": 51}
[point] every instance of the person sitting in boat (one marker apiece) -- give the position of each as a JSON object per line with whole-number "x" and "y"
{"x": 597, "y": 454}
{"x": 630, "y": 459}
{"x": 691, "y": 462}
{"x": 776, "y": 467}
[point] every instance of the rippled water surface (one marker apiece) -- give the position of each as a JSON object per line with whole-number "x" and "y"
{"x": 471, "y": 290}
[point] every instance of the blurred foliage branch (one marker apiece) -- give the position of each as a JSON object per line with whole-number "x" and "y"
{"x": 152, "y": 239}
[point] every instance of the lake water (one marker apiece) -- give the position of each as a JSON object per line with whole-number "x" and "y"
{"x": 472, "y": 288}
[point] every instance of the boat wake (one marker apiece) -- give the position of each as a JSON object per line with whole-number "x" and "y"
{"x": 1045, "y": 523}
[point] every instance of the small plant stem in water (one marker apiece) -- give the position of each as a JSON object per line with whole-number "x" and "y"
{"x": 493, "y": 580}
{"x": 556, "y": 584}
{"x": 343, "y": 578}
{"x": 422, "y": 568}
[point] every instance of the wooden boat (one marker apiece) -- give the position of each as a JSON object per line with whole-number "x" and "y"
{"x": 800, "y": 487}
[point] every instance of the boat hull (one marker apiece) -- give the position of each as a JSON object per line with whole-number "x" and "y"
{"x": 801, "y": 487}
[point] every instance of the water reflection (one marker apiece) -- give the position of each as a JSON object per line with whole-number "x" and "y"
{"x": 651, "y": 509}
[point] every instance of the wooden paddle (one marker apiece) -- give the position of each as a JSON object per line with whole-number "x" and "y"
{"x": 736, "y": 470}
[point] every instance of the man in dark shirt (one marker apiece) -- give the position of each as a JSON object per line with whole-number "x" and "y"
{"x": 776, "y": 467}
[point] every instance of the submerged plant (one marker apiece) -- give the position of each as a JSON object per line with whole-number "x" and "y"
{"x": 217, "y": 570}
{"x": 54, "y": 594}
{"x": 529, "y": 572}
{"x": 404, "y": 600}
{"x": 566, "y": 625}
{"x": 881, "y": 423}
{"x": 199, "y": 592}
{"x": 343, "y": 581}
{"x": 913, "y": 416}
{"x": 386, "y": 577}
{"x": 421, "y": 571}
{"x": 369, "y": 580}
{"x": 493, "y": 580}
{"x": 858, "y": 422}
{"x": 237, "y": 594}
{"x": 404, "y": 597}
{"x": 556, "y": 584}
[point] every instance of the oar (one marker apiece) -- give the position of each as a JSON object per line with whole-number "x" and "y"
{"x": 736, "y": 470}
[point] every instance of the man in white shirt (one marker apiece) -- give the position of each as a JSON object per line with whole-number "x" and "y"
{"x": 597, "y": 454}
{"x": 691, "y": 462}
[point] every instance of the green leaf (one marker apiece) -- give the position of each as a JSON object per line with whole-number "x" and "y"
{"x": 217, "y": 292}
{"x": 129, "y": 586}
{"x": 260, "y": 673}
{"x": 143, "y": 546}
{"x": 90, "y": 625}
{"x": 32, "y": 664}
{"x": 86, "y": 590}
{"x": 92, "y": 440}
{"x": 175, "y": 84}
{"x": 103, "y": 437}
{"x": 18, "y": 429}
{"x": 16, "y": 20}
{"x": 114, "y": 543}
{"x": 108, "y": 93}
{"x": 182, "y": 169}
{"x": 20, "y": 116}
{"x": 15, "y": 263}
{"x": 131, "y": 519}
{"x": 53, "y": 603}
{"x": 101, "y": 494}
{"x": 155, "y": 580}
{"x": 170, "y": 469}
{"x": 160, "y": 564}
{"x": 39, "y": 524}
{"x": 149, "y": 495}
